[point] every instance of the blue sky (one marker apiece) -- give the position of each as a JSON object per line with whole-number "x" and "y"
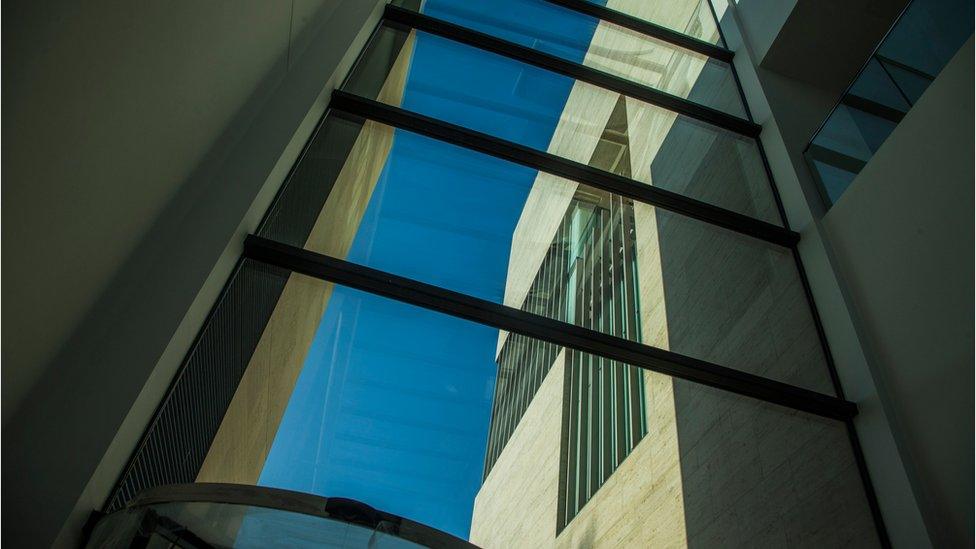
{"x": 393, "y": 402}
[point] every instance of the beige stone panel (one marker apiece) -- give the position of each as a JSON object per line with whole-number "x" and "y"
{"x": 247, "y": 431}
{"x": 644, "y": 60}
{"x": 543, "y": 213}
{"x": 681, "y": 15}
{"x": 640, "y": 505}
{"x": 650, "y": 278}
{"x": 517, "y": 504}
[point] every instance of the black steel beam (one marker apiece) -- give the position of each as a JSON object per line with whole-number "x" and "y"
{"x": 563, "y": 167}
{"x": 531, "y": 325}
{"x": 872, "y": 107}
{"x": 577, "y": 71}
{"x": 646, "y": 27}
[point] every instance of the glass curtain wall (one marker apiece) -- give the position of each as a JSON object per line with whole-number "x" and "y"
{"x": 470, "y": 338}
{"x": 919, "y": 45}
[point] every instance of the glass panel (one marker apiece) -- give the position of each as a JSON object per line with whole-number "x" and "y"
{"x": 833, "y": 179}
{"x": 844, "y": 145}
{"x": 911, "y": 83}
{"x": 691, "y": 17}
{"x": 544, "y": 110}
{"x": 396, "y": 406}
{"x": 352, "y": 395}
{"x": 929, "y": 34}
{"x": 496, "y": 230}
{"x": 576, "y": 37}
{"x": 921, "y": 42}
{"x": 875, "y": 84}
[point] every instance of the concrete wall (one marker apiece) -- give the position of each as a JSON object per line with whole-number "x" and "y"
{"x": 142, "y": 140}
{"x": 903, "y": 239}
{"x": 791, "y": 90}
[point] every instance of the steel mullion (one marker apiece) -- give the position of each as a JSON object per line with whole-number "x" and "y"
{"x": 562, "y": 167}
{"x": 571, "y": 69}
{"x": 519, "y": 353}
{"x": 620, "y": 309}
{"x": 671, "y": 36}
{"x": 567, "y": 335}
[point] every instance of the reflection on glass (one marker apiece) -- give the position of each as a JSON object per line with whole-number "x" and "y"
{"x": 204, "y": 524}
{"x": 352, "y": 395}
{"x": 922, "y": 41}
{"x": 875, "y": 85}
{"x": 576, "y": 37}
{"x": 397, "y": 407}
{"x": 557, "y": 114}
{"x": 469, "y": 222}
{"x": 691, "y": 17}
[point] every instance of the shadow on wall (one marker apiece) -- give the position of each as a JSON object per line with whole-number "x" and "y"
{"x": 752, "y": 473}
{"x": 756, "y": 474}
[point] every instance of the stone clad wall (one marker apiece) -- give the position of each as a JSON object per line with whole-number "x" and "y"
{"x": 517, "y": 504}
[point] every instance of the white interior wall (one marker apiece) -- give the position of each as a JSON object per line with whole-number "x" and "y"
{"x": 141, "y": 142}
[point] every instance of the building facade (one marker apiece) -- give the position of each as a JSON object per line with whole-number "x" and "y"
{"x": 585, "y": 451}
{"x": 538, "y": 273}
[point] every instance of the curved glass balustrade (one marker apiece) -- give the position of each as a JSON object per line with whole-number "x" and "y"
{"x": 203, "y": 516}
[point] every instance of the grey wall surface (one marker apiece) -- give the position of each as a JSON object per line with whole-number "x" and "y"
{"x": 790, "y": 100}
{"x": 139, "y": 140}
{"x": 903, "y": 238}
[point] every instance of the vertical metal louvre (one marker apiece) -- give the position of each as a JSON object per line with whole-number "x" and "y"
{"x": 586, "y": 278}
{"x": 174, "y": 446}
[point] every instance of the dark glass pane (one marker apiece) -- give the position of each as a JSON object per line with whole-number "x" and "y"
{"x": 875, "y": 85}
{"x": 919, "y": 45}
{"x": 544, "y": 110}
{"x": 910, "y": 82}
{"x": 834, "y": 179}
{"x": 929, "y": 34}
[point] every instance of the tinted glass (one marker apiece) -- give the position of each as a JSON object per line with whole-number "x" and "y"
{"x": 472, "y": 223}
{"x": 395, "y": 406}
{"x": 544, "y": 110}
{"x": 571, "y": 35}
{"x": 921, "y": 42}
{"x": 203, "y": 524}
{"x": 691, "y": 17}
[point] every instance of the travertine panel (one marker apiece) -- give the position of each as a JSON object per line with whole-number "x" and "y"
{"x": 760, "y": 475}
{"x": 247, "y": 431}
{"x": 517, "y": 504}
{"x": 682, "y": 15}
{"x": 636, "y": 57}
